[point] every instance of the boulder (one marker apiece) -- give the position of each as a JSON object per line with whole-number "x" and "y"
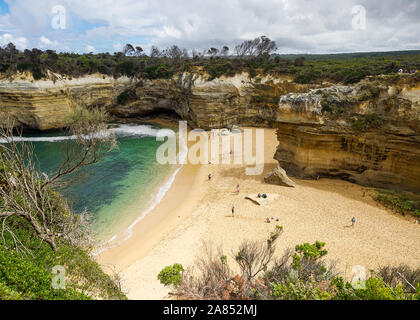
{"x": 278, "y": 176}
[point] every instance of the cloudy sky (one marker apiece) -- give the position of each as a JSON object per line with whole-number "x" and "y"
{"x": 298, "y": 26}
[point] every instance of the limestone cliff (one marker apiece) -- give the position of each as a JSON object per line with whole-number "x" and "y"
{"x": 45, "y": 104}
{"x": 207, "y": 104}
{"x": 368, "y": 133}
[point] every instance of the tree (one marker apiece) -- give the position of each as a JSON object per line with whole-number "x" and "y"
{"x": 225, "y": 50}
{"x": 246, "y": 48}
{"x": 175, "y": 53}
{"x": 265, "y": 46}
{"x": 28, "y": 194}
{"x": 213, "y": 52}
{"x": 155, "y": 52}
{"x": 299, "y": 62}
{"x": 261, "y": 46}
{"x": 139, "y": 51}
{"x": 196, "y": 54}
{"x": 128, "y": 49}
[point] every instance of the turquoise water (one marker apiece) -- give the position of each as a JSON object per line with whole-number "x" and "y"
{"x": 118, "y": 189}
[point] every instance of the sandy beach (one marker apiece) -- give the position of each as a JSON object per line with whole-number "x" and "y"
{"x": 196, "y": 210}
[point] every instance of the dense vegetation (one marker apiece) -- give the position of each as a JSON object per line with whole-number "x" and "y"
{"x": 27, "y": 262}
{"x": 301, "y": 274}
{"x": 251, "y": 56}
{"x": 44, "y": 246}
{"x": 29, "y": 275}
{"x": 404, "y": 203}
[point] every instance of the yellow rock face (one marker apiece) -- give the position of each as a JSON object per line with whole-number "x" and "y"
{"x": 45, "y": 104}
{"x": 368, "y": 133}
{"x": 375, "y": 142}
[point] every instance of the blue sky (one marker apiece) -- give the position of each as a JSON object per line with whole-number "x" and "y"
{"x": 298, "y": 26}
{"x": 4, "y": 7}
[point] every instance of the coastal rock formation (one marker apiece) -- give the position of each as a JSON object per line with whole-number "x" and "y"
{"x": 278, "y": 176}
{"x": 45, "y": 104}
{"x": 368, "y": 133}
{"x": 223, "y": 102}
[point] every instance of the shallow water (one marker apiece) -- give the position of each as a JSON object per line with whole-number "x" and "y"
{"x": 117, "y": 190}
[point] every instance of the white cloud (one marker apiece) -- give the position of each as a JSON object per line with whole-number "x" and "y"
{"x": 45, "y": 43}
{"x": 118, "y": 47}
{"x": 20, "y": 42}
{"x": 90, "y": 48}
{"x": 297, "y": 26}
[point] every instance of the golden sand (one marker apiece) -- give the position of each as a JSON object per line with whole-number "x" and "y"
{"x": 196, "y": 210}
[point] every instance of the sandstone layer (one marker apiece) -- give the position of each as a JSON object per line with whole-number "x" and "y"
{"x": 367, "y": 133}
{"x": 45, "y": 104}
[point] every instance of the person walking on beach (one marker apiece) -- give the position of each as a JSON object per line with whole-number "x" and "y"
{"x": 209, "y": 176}
{"x": 353, "y": 221}
{"x": 233, "y": 211}
{"x": 237, "y": 188}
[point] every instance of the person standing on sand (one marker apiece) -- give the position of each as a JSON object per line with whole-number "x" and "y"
{"x": 209, "y": 176}
{"x": 233, "y": 211}
{"x": 237, "y": 188}
{"x": 353, "y": 221}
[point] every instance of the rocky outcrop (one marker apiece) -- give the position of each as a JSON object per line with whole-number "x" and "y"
{"x": 218, "y": 103}
{"x": 45, "y": 104}
{"x": 278, "y": 176}
{"x": 368, "y": 133}
{"x": 222, "y": 102}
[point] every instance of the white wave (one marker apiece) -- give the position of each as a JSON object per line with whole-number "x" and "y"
{"x": 121, "y": 131}
{"x": 182, "y": 156}
{"x": 125, "y": 130}
{"x": 152, "y": 204}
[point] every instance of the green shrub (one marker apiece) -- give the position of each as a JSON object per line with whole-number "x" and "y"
{"x": 127, "y": 68}
{"x": 7, "y": 293}
{"x": 159, "y": 71}
{"x": 29, "y": 280}
{"x": 376, "y": 289}
{"x": 400, "y": 202}
{"x": 310, "y": 252}
{"x": 252, "y": 73}
{"x": 126, "y": 96}
{"x": 171, "y": 275}
{"x": 84, "y": 274}
{"x": 299, "y": 290}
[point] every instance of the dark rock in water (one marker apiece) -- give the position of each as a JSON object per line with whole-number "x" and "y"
{"x": 278, "y": 176}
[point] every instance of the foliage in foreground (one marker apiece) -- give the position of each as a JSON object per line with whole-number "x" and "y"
{"x": 28, "y": 275}
{"x": 171, "y": 275}
{"x": 302, "y": 274}
{"x": 38, "y": 229}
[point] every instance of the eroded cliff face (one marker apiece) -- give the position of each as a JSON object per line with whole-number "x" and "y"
{"x": 239, "y": 100}
{"x": 45, "y": 104}
{"x": 222, "y": 102}
{"x": 368, "y": 133}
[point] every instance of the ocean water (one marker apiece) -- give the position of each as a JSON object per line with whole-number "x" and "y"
{"x": 120, "y": 189}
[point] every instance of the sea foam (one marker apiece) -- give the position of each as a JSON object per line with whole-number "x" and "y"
{"x": 121, "y": 131}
